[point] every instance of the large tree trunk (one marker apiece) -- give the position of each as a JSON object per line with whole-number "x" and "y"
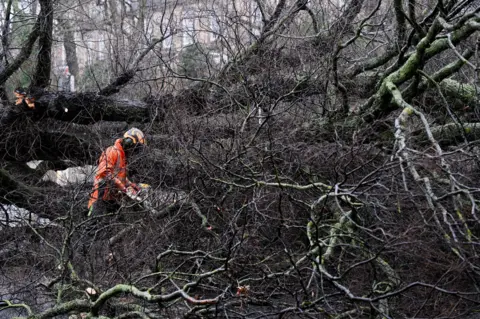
{"x": 70, "y": 48}
{"x": 82, "y": 108}
{"x": 5, "y": 48}
{"x": 41, "y": 77}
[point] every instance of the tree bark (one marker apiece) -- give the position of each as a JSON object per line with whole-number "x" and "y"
{"x": 41, "y": 78}
{"x": 81, "y": 108}
{"x": 70, "y": 49}
{"x": 5, "y": 48}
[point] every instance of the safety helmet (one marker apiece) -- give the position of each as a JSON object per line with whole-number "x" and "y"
{"x": 20, "y": 91}
{"x": 136, "y": 136}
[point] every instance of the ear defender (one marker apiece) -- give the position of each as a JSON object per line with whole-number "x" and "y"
{"x": 129, "y": 141}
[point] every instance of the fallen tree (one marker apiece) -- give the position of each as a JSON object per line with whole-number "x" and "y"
{"x": 276, "y": 196}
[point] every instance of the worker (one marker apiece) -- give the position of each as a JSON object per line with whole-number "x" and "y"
{"x": 24, "y": 100}
{"x": 111, "y": 176}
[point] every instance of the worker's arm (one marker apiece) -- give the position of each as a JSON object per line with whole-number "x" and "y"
{"x": 132, "y": 184}
{"x": 118, "y": 183}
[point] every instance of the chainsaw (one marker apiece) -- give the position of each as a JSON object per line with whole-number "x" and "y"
{"x": 141, "y": 197}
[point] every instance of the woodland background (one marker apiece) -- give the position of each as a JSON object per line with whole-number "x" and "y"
{"x": 311, "y": 159}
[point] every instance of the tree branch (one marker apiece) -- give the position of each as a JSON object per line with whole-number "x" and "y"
{"x": 126, "y": 76}
{"x": 25, "y": 52}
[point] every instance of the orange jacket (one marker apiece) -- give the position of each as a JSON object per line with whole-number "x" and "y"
{"x": 112, "y": 166}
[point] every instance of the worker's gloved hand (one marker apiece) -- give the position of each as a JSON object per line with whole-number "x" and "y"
{"x": 130, "y": 191}
{"x": 135, "y": 187}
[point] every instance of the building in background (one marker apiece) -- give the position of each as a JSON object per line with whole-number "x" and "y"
{"x": 109, "y": 35}
{"x": 216, "y": 28}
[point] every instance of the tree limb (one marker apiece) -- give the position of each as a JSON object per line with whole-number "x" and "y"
{"x": 126, "y": 76}
{"x": 25, "y": 52}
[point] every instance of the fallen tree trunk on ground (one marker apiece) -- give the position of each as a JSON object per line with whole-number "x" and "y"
{"x": 81, "y": 108}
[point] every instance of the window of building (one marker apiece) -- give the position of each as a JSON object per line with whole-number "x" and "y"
{"x": 218, "y": 58}
{"x": 256, "y": 21}
{"x": 63, "y": 54}
{"x": 188, "y": 27}
{"x": 214, "y": 28}
{"x": 24, "y": 4}
{"x": 89, "y": 60}
{"x": 101, "y": 47}
{"x": 167, "y": 43}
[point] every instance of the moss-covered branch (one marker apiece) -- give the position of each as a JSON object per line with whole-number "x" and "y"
{"x": 427, "y": 48}
{"x": 147, "y": 296}
{"x": 451, "y": 133}
{"x": 279, "y": 184}
{"x": 437, "y": 77}
{"x": 6, "y": 304}
{"x": 462, "y": 91}
{"x": 61, "y": 309}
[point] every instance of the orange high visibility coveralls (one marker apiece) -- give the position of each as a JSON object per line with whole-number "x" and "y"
{"x": 111, "y": 167}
